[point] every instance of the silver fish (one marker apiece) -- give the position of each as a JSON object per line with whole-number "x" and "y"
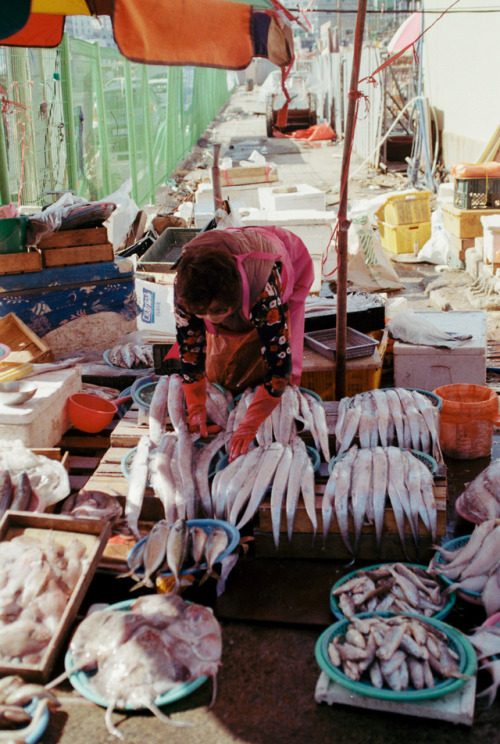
{"x": 217, "y": 542}
{"x": 264, "y": 478}
{"x": 154, "y": 552}
{"x": 177, "y": 548}
{"x": 137, "y": 484}
{"x": 278, "y": 491}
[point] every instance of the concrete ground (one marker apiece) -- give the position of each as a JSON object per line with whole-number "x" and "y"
{"x": 267, "y": 680}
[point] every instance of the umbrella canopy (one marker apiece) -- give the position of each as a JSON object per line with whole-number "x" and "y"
{"x": 407, "y": 33}
{"x": 209, "y": 33}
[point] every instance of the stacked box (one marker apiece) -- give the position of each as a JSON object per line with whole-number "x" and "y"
{"x": 464, "y": 226}
{"x": 404, "y": 221}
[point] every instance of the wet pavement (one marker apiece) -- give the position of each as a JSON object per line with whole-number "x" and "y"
{"x": 272, "y": 612}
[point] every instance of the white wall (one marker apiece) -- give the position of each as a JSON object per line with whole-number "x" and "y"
{"x": 461, "y": 75}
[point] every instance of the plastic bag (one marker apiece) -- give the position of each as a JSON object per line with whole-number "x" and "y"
{"x": 437, "y": 249}
{"x": 368, "y": 267}
{"x": 120, "y": 221}
{"x": 413, "y": 329}
{"x": 48, "y": 478}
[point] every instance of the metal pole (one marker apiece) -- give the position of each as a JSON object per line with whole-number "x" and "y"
{"x": 340, "y": 370}
{"x": 69, "y": 118}
{"x": 129, "y": 103}
{"x": 102, "y": 124}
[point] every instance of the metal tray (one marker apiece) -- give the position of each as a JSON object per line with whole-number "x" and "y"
{"x": 324, "y": 342}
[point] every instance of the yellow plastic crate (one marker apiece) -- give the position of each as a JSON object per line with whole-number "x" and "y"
{"x": 406, "y": 209}
{"x": 401, "y": 238}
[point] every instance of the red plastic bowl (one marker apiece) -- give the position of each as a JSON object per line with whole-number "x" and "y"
{"x": 90, "y": 413}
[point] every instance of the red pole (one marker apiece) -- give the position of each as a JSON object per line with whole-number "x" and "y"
{"x": 341, "y": 335}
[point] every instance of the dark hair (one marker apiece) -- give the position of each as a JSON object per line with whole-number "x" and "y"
{"x": 206, "y": 273}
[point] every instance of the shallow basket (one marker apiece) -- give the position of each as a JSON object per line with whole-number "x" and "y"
{"x": 456, "y": 544}
{"x": 334, "y": 606}
{"x": 457, "y": 642}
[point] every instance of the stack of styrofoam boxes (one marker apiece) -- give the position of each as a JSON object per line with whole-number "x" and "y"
{"x": 302, "y": 210}
{"x": 491, "y": 242}
{"x": 466, "y": 236}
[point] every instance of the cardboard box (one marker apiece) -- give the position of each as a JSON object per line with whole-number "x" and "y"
{"x": 94, "y": 534}
{"x": 428, "y": 367}
{"x": 465, "y": 223}
{"x": 301, "y": 196}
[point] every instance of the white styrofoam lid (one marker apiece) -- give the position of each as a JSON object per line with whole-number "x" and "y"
{"x": 289, "y": 217}
{"x": 457, "y": 321}
{"x": 51, "y": 388}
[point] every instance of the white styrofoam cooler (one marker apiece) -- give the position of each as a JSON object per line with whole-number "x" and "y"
{"x": 301, "y": 196}
{"x": 429, "y": 367}
{"x": 246, "y": 195}
{"x": 41, "y": 421}
{"x": 491, "y": 238}
{"x": 312, "y": 226}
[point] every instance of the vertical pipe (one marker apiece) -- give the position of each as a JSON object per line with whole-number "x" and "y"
{"x": 101, "y": 120}
{"x": 147, "y": 133}
{"x": 4, "y": 169}
{"x": 129, "y": 103}
{"x": 340, "y": 371}
{"x": 69, "y": 119}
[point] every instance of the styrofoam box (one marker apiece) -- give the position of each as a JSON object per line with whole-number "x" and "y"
{"x": 41, "y": 421}
{"x": 246, "y": 195}
{"x": 429, "y": 367}
{"x": 301, "y": 196}
{"x": 311, "y": 225}
{"x": 203, "y": 213}
{"x": 491, "y": 238}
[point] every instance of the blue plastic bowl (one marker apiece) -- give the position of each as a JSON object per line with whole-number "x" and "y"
{"x": 340, "y": 616}
{"x": 457, "y": 642}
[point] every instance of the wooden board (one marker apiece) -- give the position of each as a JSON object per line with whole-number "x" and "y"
{"x": 85, "y": 236}
{"x": 25, "y": 345}
{"x": 457, "y": 707}
{"x": 240, "y": 175}
{"x": 82, "y": 254}
{"x": 94, "y": 535}
{"x": 20, "y": 263}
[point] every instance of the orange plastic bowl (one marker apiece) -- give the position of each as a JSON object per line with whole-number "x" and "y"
{"x": 90, "y": 413}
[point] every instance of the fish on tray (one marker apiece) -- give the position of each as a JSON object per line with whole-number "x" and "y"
{"x": 481, "y": 498}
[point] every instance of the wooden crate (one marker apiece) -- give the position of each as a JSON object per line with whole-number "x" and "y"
{"x": 25, "y": 346}
{"x": 465, "y": 223}
{"x": 240, "y": 175}
{"x": 94, "y": 535}
{"x": 20, "y": 263}
{"x": 304, "y": 546}
{"x": 69, "y": 238}
{"x": 76, "y": 255}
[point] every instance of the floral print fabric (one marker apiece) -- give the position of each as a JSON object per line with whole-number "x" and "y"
{"x": 268, "y": 315}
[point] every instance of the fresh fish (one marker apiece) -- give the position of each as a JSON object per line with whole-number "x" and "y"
{"x": 351, "y": 422}
{"x": 217, "y": 407}
{"x": 199, "y": 538}
{"x": 379, "y": 490}
{"x": 412, "y": 416}
{"x": 158, "y": 410}
{"x": 202, "y": 469}
{"x": 185, "y": 455}
{"x": 342, "y": 492}
{"x": 360, "y": 486}
{"x": 279, "y": 489}
{"x": 177, "y": 548}
{"x": 161, "y": 477}
{"x": 135, "y": 562}
{"x": 93, "y": 505}
{"x": 240, "y": 486}
{"x": 299, "y": 454}
{"x": 6, "y": 491}
{"x": 382, "y": 407}
{"x": 180, "y": 502}
{"x": 327, "y": 500}
{"x": 217, "y": 542}
{"x": 320, "y": 425}
{"x": 308, "y": 492}
{"x": 137, "y": 485}
{"x": 153, "y": 556}
{"x": 23, "y": 493}
{"x": 264, "y": 478}
{"x": 394, "y": 493}
{"x": 175, "y": 402}
{"x": 396, "y": 413}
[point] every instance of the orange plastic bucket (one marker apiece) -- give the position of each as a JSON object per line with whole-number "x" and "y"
{"x": 467, "y": 418}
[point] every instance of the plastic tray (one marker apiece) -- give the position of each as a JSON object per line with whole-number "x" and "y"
{"x": 340, "y": 616}
{"x": 81, "y": 680}
{"x": 357, "y": 344}
{"x": 428, "y": 460}
{"x": 458, "y": 542}
{"x": 467, "y": 663}
{"x": 206, "y": 524}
